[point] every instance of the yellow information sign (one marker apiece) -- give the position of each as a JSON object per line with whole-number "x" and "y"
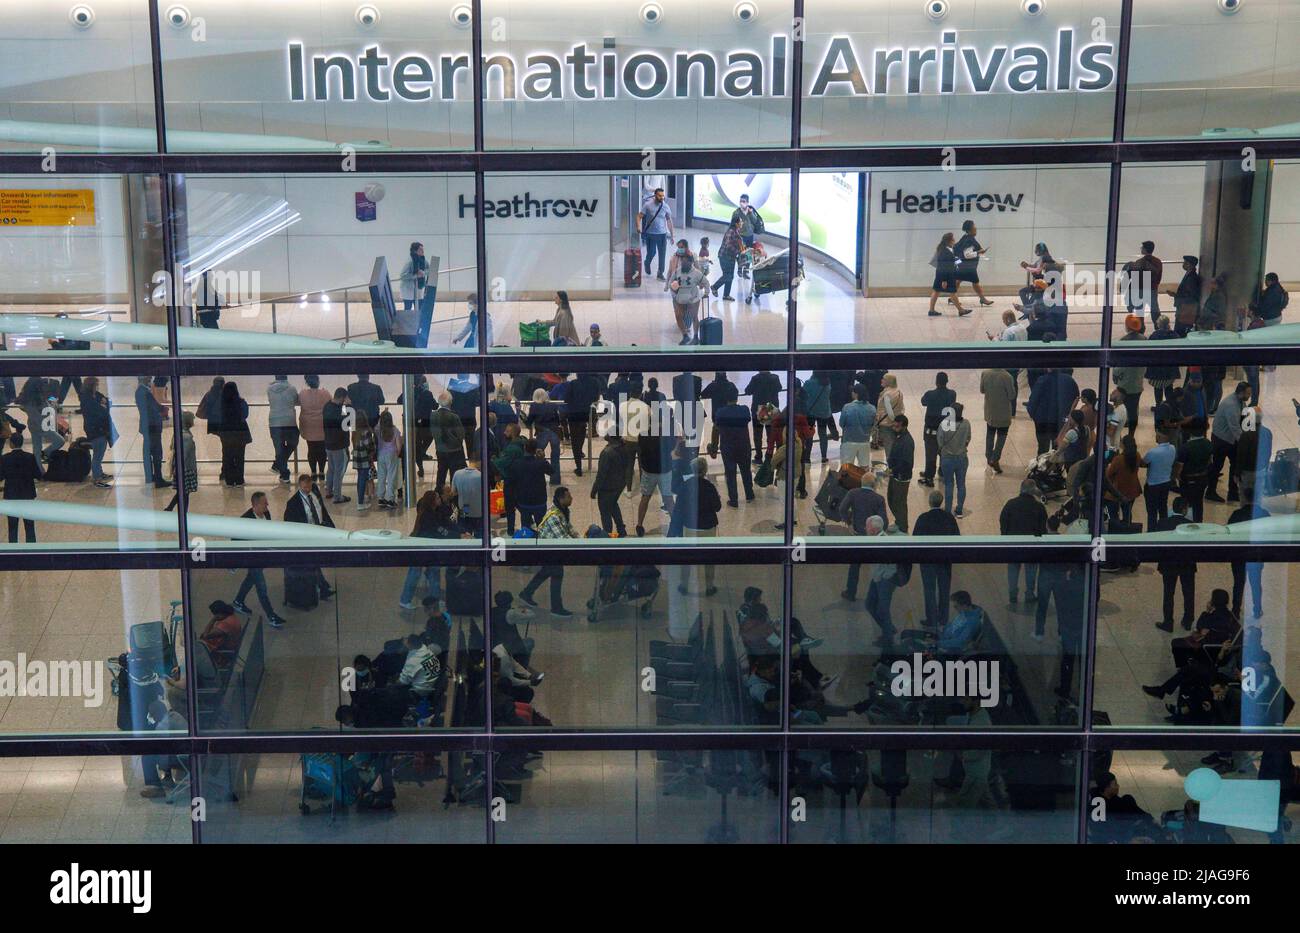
{"x": 48, "y": 207}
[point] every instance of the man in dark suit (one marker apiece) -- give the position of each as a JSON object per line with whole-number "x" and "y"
{"x": 307, "y": 507}
{"x": 19, "y": 470}
{"x": 255, "y": 578}
{"x": 1173, "y": 573}
{"x": 152, "y": 420}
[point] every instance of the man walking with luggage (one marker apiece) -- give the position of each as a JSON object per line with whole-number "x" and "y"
{"x": 655, "y": 224}
{"x": 255, "y": 577}
{"x": 307, "y": 507}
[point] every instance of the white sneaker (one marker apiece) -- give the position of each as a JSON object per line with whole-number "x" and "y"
{"x": 409, "y": 607}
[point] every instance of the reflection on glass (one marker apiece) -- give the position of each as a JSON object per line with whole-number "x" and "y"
{"x": 262, "y": 268}
{"x": 1204, "y": 658}
{"x": 929, "y": 644}
{"x": 96, "y": 799}
{"x": 705, "y": 796}
{"x": 368, "y": 797}
{"x": 931, "y": 796}
{"x": 308, "y": 647}
{"x": 78, "y": 255}
{"x": 1190, "y": 797}
{"x": 88, "y": 651}
{"x": 348, "y": 454}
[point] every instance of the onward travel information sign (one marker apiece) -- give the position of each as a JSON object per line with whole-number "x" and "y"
{"x": 605, "y": 72}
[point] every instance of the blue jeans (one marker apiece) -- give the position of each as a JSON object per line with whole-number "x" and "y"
{"x": 255, "y": 578}
{"x": 546, "y": 437}
{"x": 98, "y": 445}
{"x": 431, "y": 574}
{"x": 1031, "y": 579}
{"x": 363, "y": 477}
{"x": 880, "y": 594}
{"x": 954, "y": 468}
{"x": 936, "y": 584}
{"x": 655, "y": 244}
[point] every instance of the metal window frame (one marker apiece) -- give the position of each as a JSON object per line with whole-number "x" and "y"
{"x": 794, "y": 158}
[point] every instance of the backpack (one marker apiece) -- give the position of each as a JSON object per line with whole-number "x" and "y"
{"x": 759, "y": 225}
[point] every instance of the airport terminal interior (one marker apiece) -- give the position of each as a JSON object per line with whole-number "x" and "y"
{"x": 840, "y": 479}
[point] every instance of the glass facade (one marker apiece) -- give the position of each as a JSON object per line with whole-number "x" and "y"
{"x": 696, "y": 422}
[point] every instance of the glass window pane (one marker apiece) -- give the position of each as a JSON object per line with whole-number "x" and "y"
{"x": 1186, "y": 642}
{"x": 886, "y": 73}
{"x": 1196, "y": 797}
{"x": 1207, "y": 244}
{"x": 659, "y": 457}
{"x": 946, "y": 453}
{"x": 920, "y": 795}
{"x": 706, "y": 796}
{"x": 669, "y": 654}
{"x": 934, "y": 645}
{"x": 1188, "y": 75}
{"x": 354, "y": 436}
{"x": 363, "y": 797}
{"x": 302, "y": 647}
{"x": 95, "y": 799}
{"x": 628, "y": 74}
{"x": 81, "y": 257}
{"x": 320, "y": 77}
{"x": 918, "y": 257}
{"x": 91, "y": 651}
{"x": 76, "y": 77}
{"x": 646, "y": 259}
{"x": 279, "y": 265}
{"x": 88, "y": 461}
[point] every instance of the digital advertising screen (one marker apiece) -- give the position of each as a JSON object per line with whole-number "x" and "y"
{"x": 828, "y": 207}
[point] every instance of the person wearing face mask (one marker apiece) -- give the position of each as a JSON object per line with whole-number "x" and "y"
{"x": 681, "y": 251}
{"x": 687, "y": 285}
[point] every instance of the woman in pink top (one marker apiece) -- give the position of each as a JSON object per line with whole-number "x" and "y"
{"x": 311, "y": 424}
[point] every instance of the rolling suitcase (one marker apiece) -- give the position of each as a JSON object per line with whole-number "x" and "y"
{"x": 711, "y": 332}
{"x": 300, "y": 588}
{"x": 632, "y": 267}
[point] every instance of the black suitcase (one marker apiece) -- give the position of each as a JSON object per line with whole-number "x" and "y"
{"x": 711, "y": 332}
{"x": 775, "y": 275}
{"x": 68, "y": 466}
{"x": 830, "y": 498}
{"x": 1121, "y": 527}
{"x": 300, "y": 588}
{"x": 465, "y": 592}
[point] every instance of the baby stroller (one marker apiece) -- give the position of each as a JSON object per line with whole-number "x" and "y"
{"x": 622, "y": 584}
{"x": 1045, "y": 470}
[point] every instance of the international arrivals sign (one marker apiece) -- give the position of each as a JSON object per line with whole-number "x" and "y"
{"x": 605, "y": 71}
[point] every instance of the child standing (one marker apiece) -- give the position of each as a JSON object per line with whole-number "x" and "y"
{"x": 364, "y": 451}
